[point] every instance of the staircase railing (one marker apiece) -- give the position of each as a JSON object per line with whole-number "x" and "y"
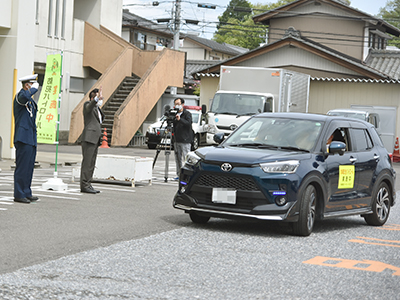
{"x": 166, "y": 70}
{"x": 115, "y": 58}
{"x": 110, "y": 80}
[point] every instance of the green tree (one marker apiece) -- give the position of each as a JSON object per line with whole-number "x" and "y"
{"x": 241, "y": 33}
{"x": 391, "y": 14}
{"x": 236, "y": 26}
{"x": 236, "y": 9}
{"x": 259, "y": 8}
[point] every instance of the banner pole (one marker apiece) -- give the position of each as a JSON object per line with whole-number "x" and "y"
{"x": 51, "y": 89}
{"x": 58, "y": 115}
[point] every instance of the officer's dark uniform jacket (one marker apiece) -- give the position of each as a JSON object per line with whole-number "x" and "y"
{"x": 183, "y": 132}
{"x": 25, "y": 117}
{"x": 25, "y": 142}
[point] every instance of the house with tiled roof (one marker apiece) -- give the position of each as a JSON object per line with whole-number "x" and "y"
{"x": 145, "y": 34}
{"x": 343, "y": 49}
{"x": 385, "y": 61}
{"x": 199, "y": 48}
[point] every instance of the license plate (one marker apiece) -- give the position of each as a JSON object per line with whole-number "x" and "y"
{"x": 165, "y": 141}
{"x": 226, "y": 196}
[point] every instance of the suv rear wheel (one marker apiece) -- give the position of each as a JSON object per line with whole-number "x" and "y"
{"x": 380, "y": 206}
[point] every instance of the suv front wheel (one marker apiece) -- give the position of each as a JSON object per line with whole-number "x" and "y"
{"x": 195, "y": 143}
{"x": 307, "y": 213}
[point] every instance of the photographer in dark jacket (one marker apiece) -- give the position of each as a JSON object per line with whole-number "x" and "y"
{"x": 183, "y": 134}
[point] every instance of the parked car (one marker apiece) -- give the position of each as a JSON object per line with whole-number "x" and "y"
{"x": 155, "y": 131}
{"x": 291, "y": 167}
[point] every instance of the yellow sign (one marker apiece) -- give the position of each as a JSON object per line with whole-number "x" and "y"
{"x": 346, "y": 177}
{"x": 47, "y": 116}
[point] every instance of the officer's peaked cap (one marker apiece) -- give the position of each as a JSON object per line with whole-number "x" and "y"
{"x": 29, "y": 78}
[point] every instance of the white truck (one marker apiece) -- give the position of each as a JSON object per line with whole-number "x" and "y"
{"x": 245, "y": 91}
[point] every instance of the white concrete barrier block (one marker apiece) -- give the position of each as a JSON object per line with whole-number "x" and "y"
{"x": 124, "y": 168}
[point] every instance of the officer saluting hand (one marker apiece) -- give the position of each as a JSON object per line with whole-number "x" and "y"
{"x": 25, "y": 139}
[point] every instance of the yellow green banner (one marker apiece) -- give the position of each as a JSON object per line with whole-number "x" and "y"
{"x": 47, "y": 115}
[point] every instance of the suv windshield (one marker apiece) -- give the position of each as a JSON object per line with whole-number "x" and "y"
{"x": 239, "y": 104}
{"x": 282, "y": 133}
{"x": 195, "y": 117}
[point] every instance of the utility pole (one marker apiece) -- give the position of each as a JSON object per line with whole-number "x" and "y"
{"x": 177, "y": 23}
{"x": 177, "y": 26}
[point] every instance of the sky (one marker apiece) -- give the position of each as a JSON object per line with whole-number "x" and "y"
{"x": 209, "y": 17}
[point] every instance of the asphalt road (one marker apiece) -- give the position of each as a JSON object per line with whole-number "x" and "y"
{"x": 129, "y": 243}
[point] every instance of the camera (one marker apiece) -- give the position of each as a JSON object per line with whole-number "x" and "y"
{"x": 170, "y": 114}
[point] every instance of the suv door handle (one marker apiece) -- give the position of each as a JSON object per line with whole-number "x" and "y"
{"x": 353, "y": 159}
{"x": 376, "y": 157}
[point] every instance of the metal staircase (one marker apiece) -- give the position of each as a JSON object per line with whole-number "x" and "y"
{"x": 115, "y": 101}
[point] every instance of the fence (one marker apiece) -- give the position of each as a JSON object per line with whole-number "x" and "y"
{"x": 137, "y": 141}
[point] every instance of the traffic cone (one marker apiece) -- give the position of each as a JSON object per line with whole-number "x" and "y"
{"x": 396, "y": 152}
{"x": 104, "y": 143}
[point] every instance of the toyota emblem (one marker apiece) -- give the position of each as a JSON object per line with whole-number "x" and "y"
{"x": 226, "y": 167}
{"x": 233, "y": 127}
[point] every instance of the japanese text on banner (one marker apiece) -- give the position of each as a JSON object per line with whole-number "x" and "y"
{"x": 47, "y": 116}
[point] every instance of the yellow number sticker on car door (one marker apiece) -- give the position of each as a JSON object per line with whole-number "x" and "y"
{"x": 346, "y": 177}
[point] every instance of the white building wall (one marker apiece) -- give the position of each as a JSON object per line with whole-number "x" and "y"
{"x": 194, "y": 52}
{"x": 25, "y": 41}
{"x": 16, "y": 57}
{"x": 5, "y": 14}
{"x": 88, "y": 10}
{"x": 288, "y": 56}
{"x": 111, "y": 15}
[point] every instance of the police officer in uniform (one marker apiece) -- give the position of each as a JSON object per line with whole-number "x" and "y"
{"x": 25, "y": 139}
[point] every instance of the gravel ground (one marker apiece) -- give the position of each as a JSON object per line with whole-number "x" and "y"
{"x": 224, "y": 260}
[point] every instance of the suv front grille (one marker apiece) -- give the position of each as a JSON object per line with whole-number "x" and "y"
{"x": 229, "y": 182}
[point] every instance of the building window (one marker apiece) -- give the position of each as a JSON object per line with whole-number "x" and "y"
{"x": 377, "y": 40}
{"x": 56, "y": 19}
{"x": 371, "y": 40}
{"x": 37, "y": 12}
{"x": 49, "y": 18}
{"x": 140, "y": 40}
{"x": 63, "y": 19}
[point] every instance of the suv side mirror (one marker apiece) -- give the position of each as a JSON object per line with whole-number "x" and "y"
{"x": 337, "y": 147}
{"x": 219, "y": 137}
{"x": 203, "y": 109}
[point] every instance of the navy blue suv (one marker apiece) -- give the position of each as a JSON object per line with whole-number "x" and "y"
{"x": 290, "y": 167}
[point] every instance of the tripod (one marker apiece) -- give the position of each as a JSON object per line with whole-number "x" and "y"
{"x": 166, "y": 135}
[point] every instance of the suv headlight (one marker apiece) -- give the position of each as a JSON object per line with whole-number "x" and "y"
{"x": 210, "y": 128}
{"x": 151, "y": 129}
{"x": 289, "y": 166}
{"x": 192, "y": 158}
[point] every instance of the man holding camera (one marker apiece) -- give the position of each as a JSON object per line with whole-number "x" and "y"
{"x": 183, "y": 134}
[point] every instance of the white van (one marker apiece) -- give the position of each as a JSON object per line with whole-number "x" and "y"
{"x": 372, "y": 118}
